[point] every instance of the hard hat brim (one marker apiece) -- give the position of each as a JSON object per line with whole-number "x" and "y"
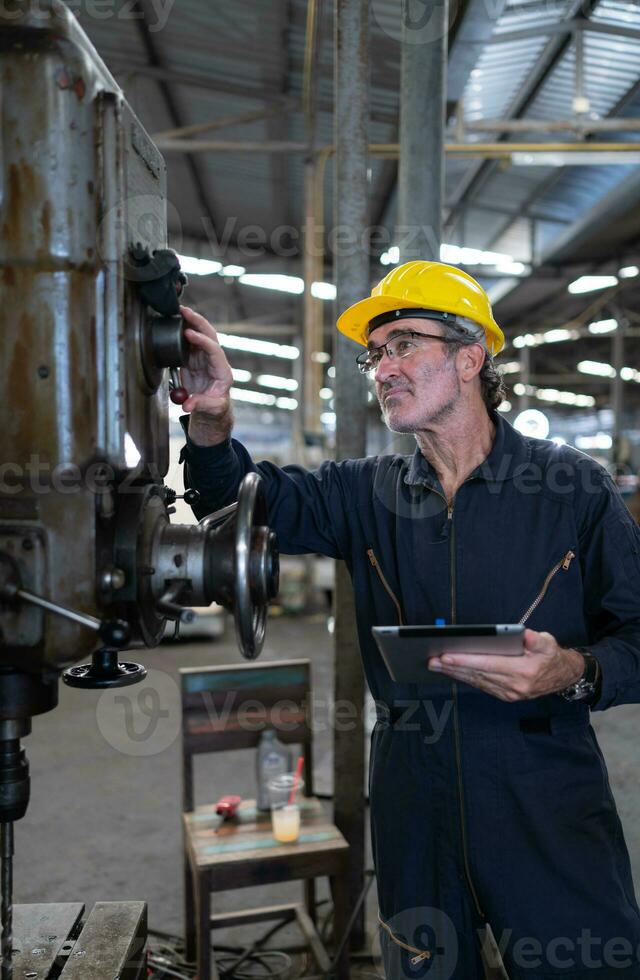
{"x": 355, "y": 320}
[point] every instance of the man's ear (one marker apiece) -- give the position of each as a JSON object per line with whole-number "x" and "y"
{"x": 472, "y": 357}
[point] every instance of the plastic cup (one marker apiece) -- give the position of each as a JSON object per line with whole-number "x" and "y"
{"x": 285, "y": 816}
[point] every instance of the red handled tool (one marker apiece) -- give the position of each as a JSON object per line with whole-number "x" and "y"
{"x": 226, "y": 808}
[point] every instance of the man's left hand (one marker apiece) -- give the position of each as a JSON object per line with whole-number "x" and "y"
{"x": 545, "y": 668}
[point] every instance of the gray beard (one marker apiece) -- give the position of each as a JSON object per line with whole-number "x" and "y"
{"x": 441, "y": 415}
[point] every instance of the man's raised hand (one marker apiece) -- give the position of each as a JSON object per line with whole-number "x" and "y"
{"x": 208, "y": 379}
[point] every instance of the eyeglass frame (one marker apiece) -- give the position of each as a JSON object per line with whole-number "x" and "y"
{"x": 361, "y": 359}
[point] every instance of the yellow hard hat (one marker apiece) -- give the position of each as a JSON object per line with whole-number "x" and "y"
{"x": 424, "y": 286}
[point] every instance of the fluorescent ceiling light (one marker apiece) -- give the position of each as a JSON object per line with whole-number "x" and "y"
{"x": 326, "y": 394}
{"x": 328, "y": 419}
{"x": 198, "y": 267}
{"x": 548, "y": 337}
{"x": 559, "y": 440}
{"x": 275, "y": 381}
{"x": 603, "y": 326}
{"x": 553, "y": 395}
{"x": 254, "y": 346}
{"x": 565, "y": 397}
{"x": 533, "y": 423}
{"x": 554, "y": 336}
{"x": 598, "y": 368}
{"x": 233, "y": 270}
{"x": 504, "y": 406}
{"x": 601, "y": 440}
{"x": 587, "y": 284}
{"x": 511, "y": 268}
{"x": 463, "y": 255}
{"x": 323, "y": 290}
{"x": 240, "y": 375}
{"x": 630, "y": 374}
{"x": 289, "y": 403}
{"x": 570, "y": 158}
{"x": 510, "y": 367}
{"x": 331, "y": 371}
{"x": 320, "y": 357}
{"x": 629, "y": 272}
{"x": 255, "y": 397}
{"x": 281, "y": 283}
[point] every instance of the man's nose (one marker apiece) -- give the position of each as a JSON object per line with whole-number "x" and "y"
{"x": 387, "y": 368}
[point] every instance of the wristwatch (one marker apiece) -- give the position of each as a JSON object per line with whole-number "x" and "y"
{"x": 588, "y": 684}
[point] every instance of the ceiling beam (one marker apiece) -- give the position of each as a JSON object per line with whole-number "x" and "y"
{"x": 477, "y": 175}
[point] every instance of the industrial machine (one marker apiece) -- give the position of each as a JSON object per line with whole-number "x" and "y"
{"x": 91, "y": 345}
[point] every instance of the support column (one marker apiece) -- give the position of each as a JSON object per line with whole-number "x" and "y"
{"x": 353, "y": 283}
{"x": 617, "y": 391}
{"x": 422, "y": 121}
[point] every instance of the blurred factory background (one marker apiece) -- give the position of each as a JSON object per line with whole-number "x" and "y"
{"x": 540, "y": 145}
{"x": 229, "y": 95}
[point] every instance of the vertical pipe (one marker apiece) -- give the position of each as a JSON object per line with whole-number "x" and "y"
{"x": 422, "y": 121}
{"x": 525, "y": 377}
{"x": 313, "y": 315}
{"x": 617, "y": 390}
{"x": 351, "y": 60}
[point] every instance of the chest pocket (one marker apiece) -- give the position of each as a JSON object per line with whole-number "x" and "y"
{"x": 376, "y": 565}
{"x": 560, "y": 567}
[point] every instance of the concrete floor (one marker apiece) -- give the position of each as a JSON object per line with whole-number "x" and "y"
{"x": 104, "y": 819}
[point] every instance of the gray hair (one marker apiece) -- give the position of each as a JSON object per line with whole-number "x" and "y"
{"x": 466, "y": 332}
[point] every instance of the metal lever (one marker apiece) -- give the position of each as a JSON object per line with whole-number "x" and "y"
{"x": 112, "y": 631}
{"x": 7, "y": 592}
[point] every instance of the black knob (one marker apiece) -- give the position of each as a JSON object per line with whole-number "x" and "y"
{"x": 115, "y": 633}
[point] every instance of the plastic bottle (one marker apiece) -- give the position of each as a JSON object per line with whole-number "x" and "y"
{"x": 273, "y": 760}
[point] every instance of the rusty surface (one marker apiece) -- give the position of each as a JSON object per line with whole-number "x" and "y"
{"x": 52, "y": 271}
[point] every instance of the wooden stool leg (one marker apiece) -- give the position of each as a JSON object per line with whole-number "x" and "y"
{"x": 340, "y": 922}
{"x": 206, "y": 963}
{"x": 190, "y": 931}
{"x": 310, "y": 898}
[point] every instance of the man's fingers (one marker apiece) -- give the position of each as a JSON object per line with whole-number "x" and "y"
{"x": 218, "y": 363}
{"x": 214, "y": 406}
{"x": 485, "y": 662}
{"x": 198, "y": 322}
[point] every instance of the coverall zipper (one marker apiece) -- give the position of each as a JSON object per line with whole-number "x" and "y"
{"x": 456, "y": 717}
{"x": 374, "y": 562}
{"x": 563, "y": 564}
{"x": 423, "y": 954}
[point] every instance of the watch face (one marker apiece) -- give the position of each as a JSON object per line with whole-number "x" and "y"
{"x": 579, "y": 691}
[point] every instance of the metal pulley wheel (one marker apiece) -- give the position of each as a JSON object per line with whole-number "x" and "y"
{"x": 242, "y": 567}
{"x": 256, "y": 566}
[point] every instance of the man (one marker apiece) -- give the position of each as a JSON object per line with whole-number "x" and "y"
{"x": 497, "y": 845}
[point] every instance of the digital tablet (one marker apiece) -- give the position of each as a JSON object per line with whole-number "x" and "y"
{"x": 406, "y": 649}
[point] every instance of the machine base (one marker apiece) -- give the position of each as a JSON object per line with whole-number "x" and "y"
{"x": 53, "y": 941}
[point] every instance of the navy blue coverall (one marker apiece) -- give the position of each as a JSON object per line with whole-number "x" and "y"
{"x": 481, "y": 810}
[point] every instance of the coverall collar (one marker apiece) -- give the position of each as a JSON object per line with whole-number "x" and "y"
{"x": 509, "y": 455}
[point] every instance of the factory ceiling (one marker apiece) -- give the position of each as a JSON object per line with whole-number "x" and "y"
{"x": 250, "y": 67}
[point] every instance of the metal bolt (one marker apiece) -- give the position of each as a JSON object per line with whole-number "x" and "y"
{"x": 112, "y": 578}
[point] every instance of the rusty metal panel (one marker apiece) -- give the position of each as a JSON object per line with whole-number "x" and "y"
{"x": 41, "y": 934}
{"x": 111, "y": 944}
{"x": 80, "y": 183}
